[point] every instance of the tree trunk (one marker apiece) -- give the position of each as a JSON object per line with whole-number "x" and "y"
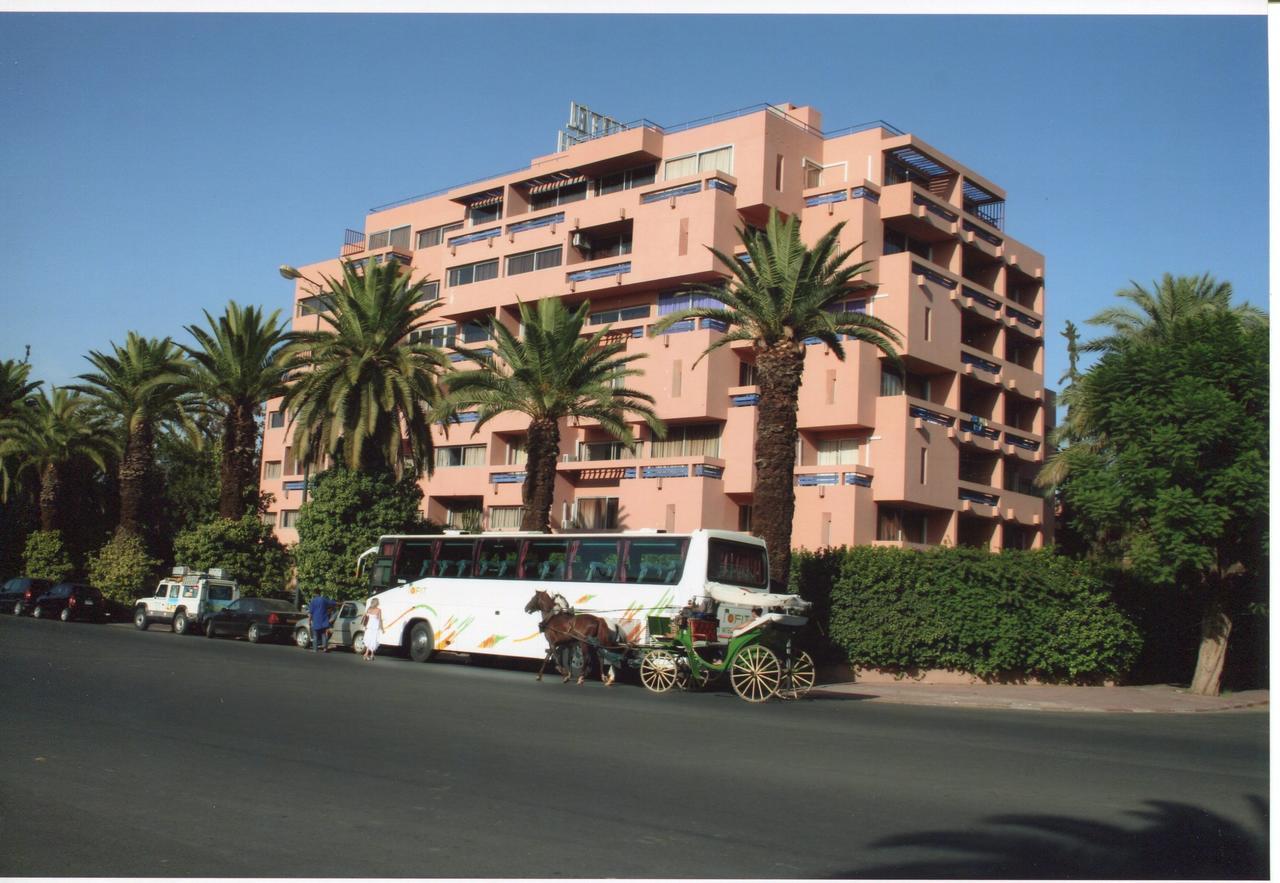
{"x": 50, "y": 498}
{"x": 543, "y": 447}
{"x": 780, "y": 369}
{"x": 1215, "y": 628}
{"x": 239, "y": 467}
{"x": 135, "y": 468}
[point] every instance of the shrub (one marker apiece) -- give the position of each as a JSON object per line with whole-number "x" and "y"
{"x": 1004, "y": 615}
{"x": 122, "y": 569}
{"x": 346, "y": 514}
{"x": 247, "y": 549}
{"x": 46, "y": 556}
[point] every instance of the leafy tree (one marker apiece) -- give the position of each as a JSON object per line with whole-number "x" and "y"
{"x": 188, "y": 469}
{"x": 347, "y": 511}
{"x": 553, "y": 373}
{"x": 1173, "y": 483}
{"x": 367, "y": 382}
{"x": 137, "y": 384}
{"x": 46, "y": 556}
{"x": 122, "y": 569}
{"x": 52, "y": 435}
{"x": 779, "y": 298}
{"x": 246, "y": 548}
{"x": 237, "y": 364}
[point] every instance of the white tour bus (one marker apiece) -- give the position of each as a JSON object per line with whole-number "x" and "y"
{"x": 467, "y": 593}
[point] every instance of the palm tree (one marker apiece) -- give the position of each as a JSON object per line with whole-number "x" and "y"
{"x": 56, "y": 432}
{"x": 1172, "y": 298}
{"x": 14, "y": 386}
{"x": 137, "y": 384}
{"x": 778, "y": 298}
{"x": 368, "y": 384}
{"x": 237, "y": 364}
{"x": 552, "y": 374}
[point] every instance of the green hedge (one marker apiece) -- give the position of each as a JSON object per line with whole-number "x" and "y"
{"x": 1008, "y": 615}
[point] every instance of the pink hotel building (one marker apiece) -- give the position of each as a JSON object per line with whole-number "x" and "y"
{"x": 943, "y": 453}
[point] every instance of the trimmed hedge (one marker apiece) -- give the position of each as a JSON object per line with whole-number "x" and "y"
{"x": 997, "y": 616}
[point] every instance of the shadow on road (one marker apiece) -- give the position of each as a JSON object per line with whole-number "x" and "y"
{"x": 1177, "y": 841}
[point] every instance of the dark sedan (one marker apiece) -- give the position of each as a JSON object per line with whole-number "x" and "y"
{"x": 258, "y": 619}
{"x": 18, "y": 594}
{"x": 69, "y": 601}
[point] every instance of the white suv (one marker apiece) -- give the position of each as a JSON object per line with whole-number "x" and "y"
{"x": 185, "y": 598}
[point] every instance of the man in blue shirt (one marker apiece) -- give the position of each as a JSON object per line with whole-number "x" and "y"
{"x": 320, "y": 625}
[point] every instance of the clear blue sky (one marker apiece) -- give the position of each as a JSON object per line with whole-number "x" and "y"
{"x": 153, "y": 166}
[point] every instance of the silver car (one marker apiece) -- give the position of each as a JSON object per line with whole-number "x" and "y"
{"x": 347, "y": 631}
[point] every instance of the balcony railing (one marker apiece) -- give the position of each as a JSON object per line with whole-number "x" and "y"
{"x": 933, "y": 276}
{"x": 824, "y": 198}
{"x": 1022, "y": 318}
{"x": 671, "y": 193}
{"x": 971, "y": 496}
{"x": 971, "y": 227}
{"x": 989, "y": 302}
{"x": 979, "y": 363}
{"x": 352, "y": 242}
{"x": 929, "y": 416}
{"x": 933, "y": 208}
{"x": 599, "y": 272}
{"x": 1018, "y": 441}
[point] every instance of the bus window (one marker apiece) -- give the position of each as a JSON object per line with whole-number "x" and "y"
{"x": 544, "y": 559}
{"x": 414, "y": 561}
{"x": 595, "y": 561}
{"x": 497, "y": 559}
{"x": 454, "y": 558}
{"x": 737, "y": 564}
{"x": 658, "y": 560}
{"x": 380, "y": 574}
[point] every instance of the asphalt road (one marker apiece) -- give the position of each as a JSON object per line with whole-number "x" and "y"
{"x": 148, "y": 754}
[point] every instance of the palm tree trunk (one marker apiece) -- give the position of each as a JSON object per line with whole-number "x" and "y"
{"x": 239, "y": 467}
{"x": 780, "y": 368}
{"x": 543, "y": 447}
{"x": 1215, "y": 628}
{"x": 50, "y": 498}
{"x": 135, "y": 470}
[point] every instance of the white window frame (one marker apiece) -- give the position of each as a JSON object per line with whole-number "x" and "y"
{"x": 697, "y": 165}
{"x": 810, "y": 164}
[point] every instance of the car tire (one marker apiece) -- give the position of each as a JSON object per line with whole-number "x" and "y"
{"x": 65, "y": 615}
{"x": 140, "y": 619}
{"x": 357, "y": 643}
{"x": 254, "y": 634}
{"x": 302, "y": 637}
{"x": 208, "y": 630}
{"x": 421, "y": 642}
{"x": 37, "y": 612}
{"x": 180, "y": 623}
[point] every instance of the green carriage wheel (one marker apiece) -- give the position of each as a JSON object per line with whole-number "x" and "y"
{"x": 799, "y": 678}
{"x": 687, "y": 680}
{"x": 756, "y": 673}
{"x": 659, "y": 670}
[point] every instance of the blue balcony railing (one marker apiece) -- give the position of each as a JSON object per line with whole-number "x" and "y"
{"x": 1022, "y": 318}
{"x": 858, "y": 479}
{"x": 1027, "y": 444}
{"x": 818, "y": 478}
{"x": 932, "y": 276}
{"x": 973, "y": 228}
{"x": 979, "y": 363}
{"x": 534, "y": 224}
{"x": 665, "y": 472}
{"x": 979, "y": 497}
{"x": 671, "y": 192}
{"x": 717, "y": 184}
{"x": 745, "y": 400}
{"x": 933, "y": 208}
{"x": 705, "y": 470}
{"x": 506, "y": 477}
{"x": 929, "y": 416}
{"x": 824, "y": 198}
{"x": 479, "y": 236}
{"x": 989, "y": 302}
{"x": 865, "y": 193}
{"x": 600, "y": 272}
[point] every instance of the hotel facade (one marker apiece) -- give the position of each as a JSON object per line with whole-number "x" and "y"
{"x": 941, "y": 453}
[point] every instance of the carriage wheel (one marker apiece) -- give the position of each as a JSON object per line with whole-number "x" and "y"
{"x": 686, "y": 680}
{"x": 755, "y": 673}
{"x": 659, "y": 671}
{"x": 799, "y": 678}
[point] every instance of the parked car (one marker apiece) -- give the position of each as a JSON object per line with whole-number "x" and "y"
{"x": 258, "y": 619}
{"x": 185, "y": 598}
{"x": 69, "y": 601}
{"x": 17, "y": 594}
{"x": 348, "y": 630}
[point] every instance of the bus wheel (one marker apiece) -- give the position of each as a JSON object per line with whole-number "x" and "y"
{"x": 421, "y": 642}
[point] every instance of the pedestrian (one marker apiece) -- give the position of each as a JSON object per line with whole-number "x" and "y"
{"x": 372, "y": 630}
{"x": 319, "y": 609}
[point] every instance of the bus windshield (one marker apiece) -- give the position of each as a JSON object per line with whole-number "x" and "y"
{"x": 737, "y": 564}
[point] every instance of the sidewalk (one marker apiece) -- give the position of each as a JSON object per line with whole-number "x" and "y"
{"x": 1154, "y": 699}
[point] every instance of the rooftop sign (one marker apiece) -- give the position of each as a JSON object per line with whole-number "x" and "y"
{"x": 584, "y": 124}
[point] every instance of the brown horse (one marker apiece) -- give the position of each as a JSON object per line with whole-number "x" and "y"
{"x": 562, "y": 628}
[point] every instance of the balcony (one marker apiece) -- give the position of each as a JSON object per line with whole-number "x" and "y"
{"x": 917, "y": 213}
{"x": 978, "y": 367}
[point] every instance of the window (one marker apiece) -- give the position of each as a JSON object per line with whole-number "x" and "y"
{"x": 817, "y": 175}
{"x": 777, "y": 173}
{"x": 464, "y": 515}
{"x": 310, "y": 306}
{"x": 594, "y": 560}
{"x": 744, "y": 518}
{"x": 290, "y": 465}
{"x": 439, "y": 336}
{"x": 396, "y": 237}
{"x": 624, "y": 314}
{"x": 928, "y": 323}
{"x": 924, "y": 465}
{"x": 276, "y": 419}
{"x": 459, "y": 455}
{"x": 655, "y": 560}
{"x": 496, "y": 559}
{"x": 161, "y": 591}
{"x": 640, "y": 176}
{"x": 717, "y": 160}
{"x": 484, "y": 211}
{"x": 271, "y": 469}
{"x": 433, "y": 236}
{"x": 688, "y": 440}
{"x": 288, "y": 517}
{"x": 478, "y": 272}
{"x": 595, "y": 513}
{"x": 562, "y": 195}
{"x": 543, "y": 259}
{"x": 894, "y": 384}
{"x": 516, "y": 453}
{"x": 219, "y": 593}
{"x": 900, "y": 525}
{"x": 812, "y": 174}
{"x": 455, "y": 557}
{"x": 545, "y": 559}
{"x": 674, "y": 301}
{"x": 896, "y": 243}
{"x": 747, "y": 375}
{"x": 606, "y": 246}
{"x": 737, "y": 564}
{"x": 607, "y": 450}
{"x": 838, "y": 452}
{"x": 414, "y": 560}
{"x": 505, "y": 517}
{"x": 429, "y": 292}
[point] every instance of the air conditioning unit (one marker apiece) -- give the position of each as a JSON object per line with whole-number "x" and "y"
{"x": 580, "y": 241}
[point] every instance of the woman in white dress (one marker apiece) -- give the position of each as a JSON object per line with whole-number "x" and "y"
{"x": 372, "y": 630}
